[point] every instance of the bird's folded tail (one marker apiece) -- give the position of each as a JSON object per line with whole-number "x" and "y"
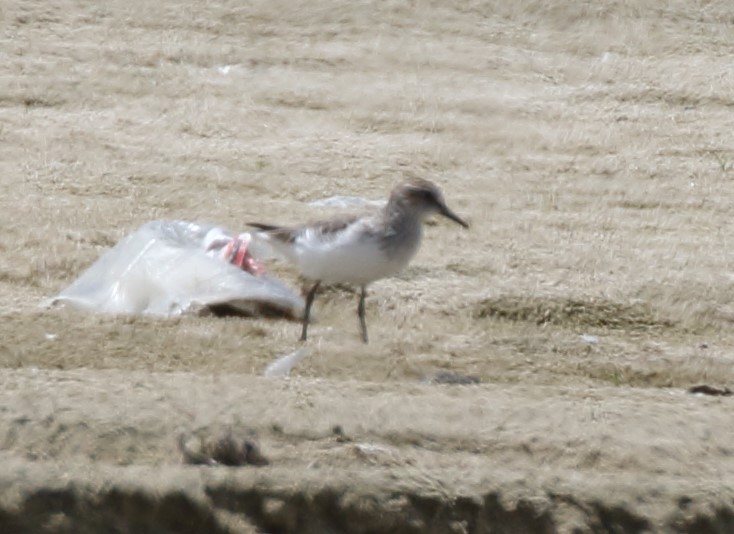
{"x": 277, "y": 239}
{"x": 264, "y": 227}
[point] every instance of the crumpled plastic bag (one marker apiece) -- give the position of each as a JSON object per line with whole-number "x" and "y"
{"x": 167, "y": 268}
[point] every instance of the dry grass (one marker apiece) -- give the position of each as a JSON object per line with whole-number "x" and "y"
{"x": 588, "y": 143}
{"x": 594, "y": 166}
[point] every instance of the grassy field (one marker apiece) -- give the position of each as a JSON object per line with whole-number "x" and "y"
{"x": 588, "y": 144}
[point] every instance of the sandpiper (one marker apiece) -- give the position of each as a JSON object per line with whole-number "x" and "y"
{"x": 359, "y": 249}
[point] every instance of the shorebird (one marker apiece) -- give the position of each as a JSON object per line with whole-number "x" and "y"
{"x": 359, "y": 249}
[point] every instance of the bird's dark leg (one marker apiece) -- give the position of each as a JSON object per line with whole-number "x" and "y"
{"x": 360, "y": 312}
{"x": 307, "y": 311}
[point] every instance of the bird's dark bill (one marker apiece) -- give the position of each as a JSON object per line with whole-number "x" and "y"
{"x": 446, "y": 212}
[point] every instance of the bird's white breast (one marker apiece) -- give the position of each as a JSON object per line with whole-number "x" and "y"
{"x": 353, "y": 255}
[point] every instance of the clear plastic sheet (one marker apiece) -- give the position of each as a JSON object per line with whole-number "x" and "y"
{"x": 167, "y": 268}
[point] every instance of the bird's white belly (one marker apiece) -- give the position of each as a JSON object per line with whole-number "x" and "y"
{"x": 360, "y": 262}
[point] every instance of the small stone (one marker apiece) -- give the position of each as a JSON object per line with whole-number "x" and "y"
{"x": 455, "y": 379}
{"x": 705, "y": 389}
{"x": 229, "y": 448}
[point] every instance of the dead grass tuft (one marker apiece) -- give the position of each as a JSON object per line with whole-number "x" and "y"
{"x": 30, "y": 101}
{"x": 570, "y": 312}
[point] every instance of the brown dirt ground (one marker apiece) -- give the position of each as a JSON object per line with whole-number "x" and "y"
{"x": 589, "y": 144}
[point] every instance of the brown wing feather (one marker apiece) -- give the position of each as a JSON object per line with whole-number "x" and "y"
{"x": 332, "y": 226}
{"x": 327, "y": 228}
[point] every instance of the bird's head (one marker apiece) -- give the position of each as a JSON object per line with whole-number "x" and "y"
{"x": 425, "y": 198}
